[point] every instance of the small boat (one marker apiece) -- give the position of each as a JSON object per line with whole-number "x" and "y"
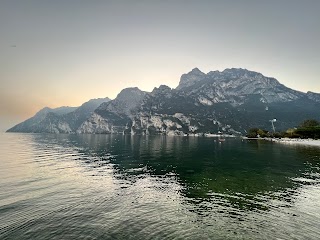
{"x": 221, "y": 139}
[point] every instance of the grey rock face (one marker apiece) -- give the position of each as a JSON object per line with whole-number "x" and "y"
{"x": 233, "y": 85}
{"x": 125, "y": 102}
{"x": 191, "y": 78}
{"x": 114, "y": 116}
{"x": 313, "y": 96}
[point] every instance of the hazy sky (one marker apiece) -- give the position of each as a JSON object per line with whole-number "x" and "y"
{"x": 60, "y": 52}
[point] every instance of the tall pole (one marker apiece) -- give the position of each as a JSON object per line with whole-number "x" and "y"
{"x": 272, "y": 121}
{"x": 273, "y": 126}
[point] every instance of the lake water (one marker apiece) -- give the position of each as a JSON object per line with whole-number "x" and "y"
{"x": 156, "y": 187}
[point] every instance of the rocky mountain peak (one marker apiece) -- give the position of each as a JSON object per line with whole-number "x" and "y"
{"x": 233, "y": 85}
{"x": 313, "y": 96}
{"x": 241, "y": 73}
{"x": 191, "y": 78}
{"x": 161, "y": 88}
{"x": 92, "y": 104}
{"x": 162, "y": 91}
{"x": 126, "y": 100}
{"x": 43, "y": 112}
{"x": 129, "y": 93}
{"x": 196, "y": 71}
{"x": 59, "y": 111}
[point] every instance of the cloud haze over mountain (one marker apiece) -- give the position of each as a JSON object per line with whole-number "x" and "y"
{"x": 56, "y": 53}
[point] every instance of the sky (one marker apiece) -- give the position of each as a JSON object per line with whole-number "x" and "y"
{"x": 63, "y": 53}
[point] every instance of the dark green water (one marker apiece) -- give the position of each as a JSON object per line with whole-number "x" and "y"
{"x": 156, "y": 187}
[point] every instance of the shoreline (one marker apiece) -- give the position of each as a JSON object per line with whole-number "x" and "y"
{"x": 291, "y": 141}
{"x": 298, "y": 141}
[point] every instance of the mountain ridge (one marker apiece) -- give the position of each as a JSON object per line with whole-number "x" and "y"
{"x": 229, "y": 101}
{"x": 57, "y": 120}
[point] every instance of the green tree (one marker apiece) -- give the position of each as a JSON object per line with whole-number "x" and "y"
{"x": 290, "y": 132}
{"x": 262, "y": 133}
{"x": 309, "y": 123}
{"x": 253, "y": 132}
{"x": 309, "y": 129}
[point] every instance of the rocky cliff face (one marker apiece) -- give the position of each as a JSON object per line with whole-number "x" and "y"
{"x": 191, "y": 78}
{"x": 171, "y": 112}
{"x": 114, "y": 116}
{"x": 313, "y": 96}
{"x": 234, "y": 85}
{"x": 229, "y": 102}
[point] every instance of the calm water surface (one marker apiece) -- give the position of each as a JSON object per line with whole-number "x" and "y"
{"x": 156, "y": 187}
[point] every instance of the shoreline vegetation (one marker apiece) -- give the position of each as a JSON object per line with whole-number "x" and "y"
{"x": 307, "y": 133}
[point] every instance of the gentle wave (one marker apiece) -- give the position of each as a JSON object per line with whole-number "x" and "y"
{"x": 122, "y": 187}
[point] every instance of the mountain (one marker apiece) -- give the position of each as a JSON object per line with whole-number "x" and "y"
{"x": 233, "y": 86}
{"x": 191, "y": 78}
{"x": 39, "y": 123}
{"x": 115, "y": 115}
{"x": 58, "y": 120}
{"x": 313, "y": 96}
{"x": 230, "y": 101}
{"x": 82, "y": 113}
{"x": 243, "y": 99}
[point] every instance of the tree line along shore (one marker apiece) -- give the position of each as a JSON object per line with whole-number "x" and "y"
{"x": 307, "y": 129}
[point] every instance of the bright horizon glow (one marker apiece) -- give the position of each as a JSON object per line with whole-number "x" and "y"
{"x": 63, "y": 53}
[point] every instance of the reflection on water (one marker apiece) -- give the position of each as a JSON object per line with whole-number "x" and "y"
{"x": 147, "y": 187}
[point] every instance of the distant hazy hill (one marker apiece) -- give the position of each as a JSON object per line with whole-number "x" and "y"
{"x": 230, "y": 101}
{"x": 58, "y": 120}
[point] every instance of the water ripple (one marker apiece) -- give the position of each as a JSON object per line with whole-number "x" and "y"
{"x": 135, "y": 187}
